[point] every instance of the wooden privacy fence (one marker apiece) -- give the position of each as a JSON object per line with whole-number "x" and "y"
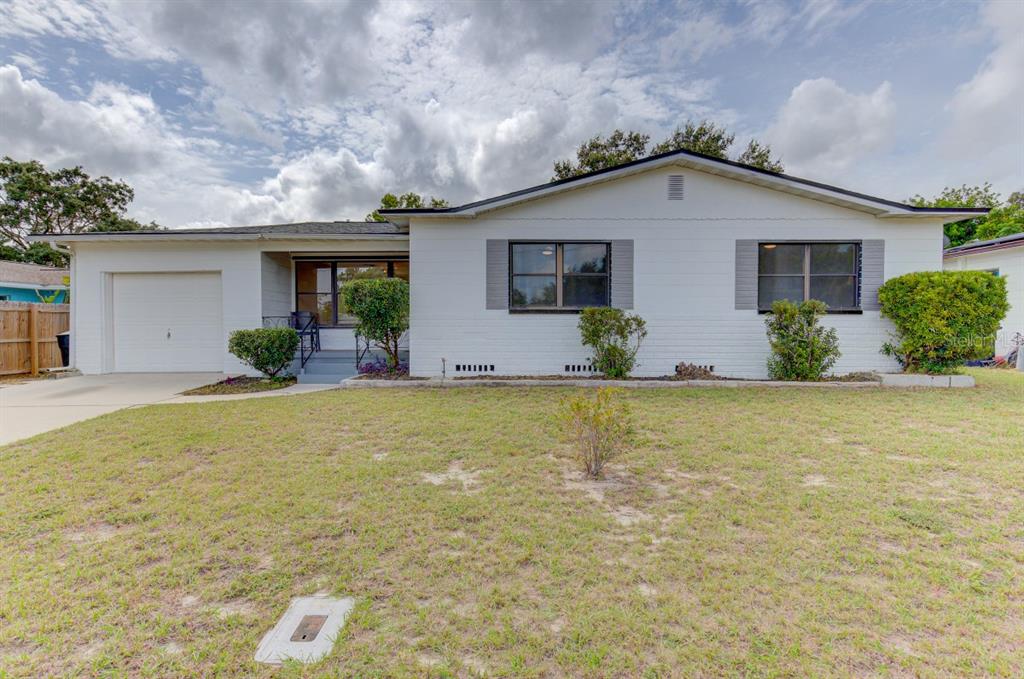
{"x": 28, "y": 336}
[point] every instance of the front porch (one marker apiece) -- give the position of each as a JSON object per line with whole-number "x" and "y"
{"x": 302, "y": 290}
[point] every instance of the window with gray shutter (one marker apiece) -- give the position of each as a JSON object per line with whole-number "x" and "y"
{"x": 622, "y": 274}
{"x": 497, "y": 274}
{"x": 746, "y": 275}
{"x": 872, "y": 273}
{"x": 843, "y": 275}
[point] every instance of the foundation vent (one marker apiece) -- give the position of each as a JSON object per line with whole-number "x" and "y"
{"x": 675, "y": 187}
{"x": 474, "y": 367}
{"x": 579, "y": 368}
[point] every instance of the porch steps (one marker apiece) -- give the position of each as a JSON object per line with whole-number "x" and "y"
{"x": 333, "y": 365}
{"x": 328, "y": 367}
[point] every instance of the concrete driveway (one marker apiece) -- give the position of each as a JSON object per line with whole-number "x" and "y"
{"x": 38, "y": 406}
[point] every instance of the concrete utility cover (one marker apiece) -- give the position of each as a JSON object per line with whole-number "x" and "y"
{"x": 306, "y": 631}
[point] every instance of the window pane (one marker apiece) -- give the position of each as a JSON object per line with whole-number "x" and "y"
{"x": 771, "y": 288}
{"x": 585, "y": 258}
{"x": 362, "y": 271}
{"x": 319, "y": 304}
{"x": 313, "y": 276}
{"x": 833, "y": 258}
{"x": 533, "y": 291}
{"x": 580, "y": 291}
{"x": 533, "y": 258}
{"x": 781, "y": 259}
{"x": 402, "y": 270}
{"x": 839, "y": 292}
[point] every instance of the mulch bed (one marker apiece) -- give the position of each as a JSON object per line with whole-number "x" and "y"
{"x": 388, "y": 376}
{"x": 241, "y": 385}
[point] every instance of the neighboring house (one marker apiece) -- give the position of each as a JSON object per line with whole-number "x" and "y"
{"x": 26, "y": 282}
{"x": 697, "y": 246}
{"x": 1004, "y": 257}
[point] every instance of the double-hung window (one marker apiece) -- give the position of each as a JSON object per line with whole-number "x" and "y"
{"x": 558, "y": 276}
{"x": 800, "y": 271}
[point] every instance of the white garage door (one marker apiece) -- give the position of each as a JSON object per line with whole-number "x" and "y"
{"x": 168, "y": 322}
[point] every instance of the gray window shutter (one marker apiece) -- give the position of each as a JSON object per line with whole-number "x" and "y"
{"x": 497, "y": 274}
{"x": 622, "y": 274}
{"x": 746, "y": 274}
{"x": 872, "y": 273}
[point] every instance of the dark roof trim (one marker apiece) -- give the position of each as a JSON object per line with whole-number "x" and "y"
{"x": 1014, "y": 240}
{"x": 300, "y": 230}
{"x": 669, "y": 154}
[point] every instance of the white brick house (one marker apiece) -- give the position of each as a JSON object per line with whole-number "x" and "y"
{"x": 697, "y": 246}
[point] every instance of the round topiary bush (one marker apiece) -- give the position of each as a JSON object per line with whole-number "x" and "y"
{"x": 942, "y": 318}
{"x": 269, "y": 350}
{"x": 381, "y": 308}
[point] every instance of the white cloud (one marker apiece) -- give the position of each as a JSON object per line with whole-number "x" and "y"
{"x": 85, "y": 21}
{"x": 822, "y": 129}
{"x": 312, "y": 110}
{"x": 987, "y": 112}
{"x": 28, "y": 64}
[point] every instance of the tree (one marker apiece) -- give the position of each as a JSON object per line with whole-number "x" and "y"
{"x": 598, "y": 153}
{"x": 760, "y": 155}
{"x": 961, "y": 196}
{"x": 407, "y": 201}
{"x": 381, "y": 308}
{"x": 705, "y": 137}
{"x": 1001, "y": 221}
{"x": 34, "y": 200}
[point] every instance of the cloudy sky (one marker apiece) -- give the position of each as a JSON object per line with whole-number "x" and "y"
{"x": 255, "y": 112}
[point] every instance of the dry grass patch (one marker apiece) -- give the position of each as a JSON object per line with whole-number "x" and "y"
{"x": 165, "y": 541}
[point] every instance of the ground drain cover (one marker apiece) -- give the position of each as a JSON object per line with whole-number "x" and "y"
{"x": 307, "y": 630}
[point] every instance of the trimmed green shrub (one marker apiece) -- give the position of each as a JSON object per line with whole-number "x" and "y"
{"x": 599, "y": 427}
{"x": 942, "y": 318}
{"x": 615, "y": 338}
{"x": 801, "y": 349}
{"x": 381, "y": 307}
{"x": 268, "y": 350}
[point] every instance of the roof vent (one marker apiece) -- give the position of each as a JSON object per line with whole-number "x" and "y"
{"x": 675, "y": 187}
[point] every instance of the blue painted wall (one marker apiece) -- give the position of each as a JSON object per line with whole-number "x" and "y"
{"x": 26, "y": 295}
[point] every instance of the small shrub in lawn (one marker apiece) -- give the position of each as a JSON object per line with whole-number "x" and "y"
{"x": 268, "y": 350}
{"x": 600, "y": 428}
{"x": 802, "y": 350}
{"x": 942, "y": 318}
{"x": 690, "y": 371}
{"x": 615, "y": 338}
{"x": 381, "y": 308}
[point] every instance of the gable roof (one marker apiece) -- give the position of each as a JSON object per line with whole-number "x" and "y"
{"x": 1015, "y": 240}
{"x": 299, "y": 230}
{"x": 807, "y": 188}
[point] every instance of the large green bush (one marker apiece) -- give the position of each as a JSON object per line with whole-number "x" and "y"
{"x": 615, "y": 338}
{"x": 801, "y": 348}
{"x": 942, "y": 318}
{"x": 268, "y": 350}
{"x": 381, "y": 308}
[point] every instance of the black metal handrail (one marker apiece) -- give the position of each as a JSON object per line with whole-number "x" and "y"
{"x": 363, "y": 346}
{"x": 311, "y": 330}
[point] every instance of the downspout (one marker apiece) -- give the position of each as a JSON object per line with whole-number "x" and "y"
{"x": 71, "y": 300}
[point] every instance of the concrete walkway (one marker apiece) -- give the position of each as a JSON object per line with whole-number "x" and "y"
{"x": 36, "y": 406}
{"x": 287, "y": 391}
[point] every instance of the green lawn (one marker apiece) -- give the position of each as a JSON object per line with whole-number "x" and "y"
{"x": 793, "y": 532}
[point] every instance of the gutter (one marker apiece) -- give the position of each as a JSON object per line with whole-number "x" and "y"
{"x": 129, "y": 236}
{"x": 981, "y": 249}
